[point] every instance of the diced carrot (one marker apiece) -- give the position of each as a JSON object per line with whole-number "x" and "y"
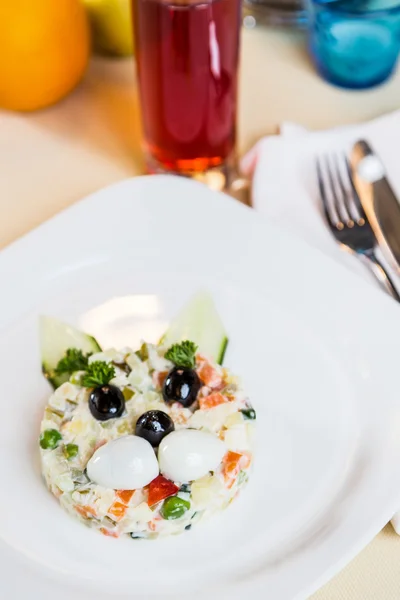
{"x": 200, "y": 359}
{"x": 125, "y": 495}
{"x": 57, "y": 492}
{"x": 98, "y": 445}
{"x": 117, "y": 510}
{"x": 209, "y": 375}
{"x": 179, "y": 415}
{"x": 109, "y": 532}
{"x": 233, "y": 463}
{"x": 245, "y": 461}
{"x": 159, "y": 378}
{"x": 214, "y": 399}
{"x": 153, "y": 523}
{"x": 161, "y": 488}
{"x": 86, "y": 511}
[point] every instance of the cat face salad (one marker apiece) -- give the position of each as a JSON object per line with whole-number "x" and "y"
{"x": 142, "y": 443}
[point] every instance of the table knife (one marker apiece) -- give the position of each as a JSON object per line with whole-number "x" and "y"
{"x": 377, "y": 197}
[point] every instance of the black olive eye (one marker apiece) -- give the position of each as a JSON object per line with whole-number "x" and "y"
{"x": 106, "y": 402}
{"x": 181, "y": 385}
{"x": 153, "y": 426}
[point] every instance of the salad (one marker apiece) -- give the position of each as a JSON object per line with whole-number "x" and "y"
{"x": 145, "y": 442}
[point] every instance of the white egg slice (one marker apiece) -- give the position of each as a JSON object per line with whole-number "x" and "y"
{"x": 189, "y": 454}
{"x": 127, "y": 463}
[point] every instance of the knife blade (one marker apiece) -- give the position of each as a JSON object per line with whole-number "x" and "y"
{"x": 377, "y": 197}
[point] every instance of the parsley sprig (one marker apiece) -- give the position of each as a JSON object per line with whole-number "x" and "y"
{"x": 73, "y": 360}
{"x": 98, "y": 373}
{"x": 183, "y": 354}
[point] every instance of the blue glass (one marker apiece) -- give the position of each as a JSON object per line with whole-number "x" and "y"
{"x": 354, "y": 43}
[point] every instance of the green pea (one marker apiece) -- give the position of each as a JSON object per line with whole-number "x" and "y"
{"x": 174, "y": 508}
{"x": 70, "y": 451}
{"x": 249, "y": 413}
{"x": 49, "y": 439}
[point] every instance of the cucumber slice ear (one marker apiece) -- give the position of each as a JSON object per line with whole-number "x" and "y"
{"x": 199, "y": 322}
{"x": 55, "y": 339}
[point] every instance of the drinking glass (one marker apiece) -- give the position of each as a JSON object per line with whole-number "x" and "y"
{"x": 354, "y": 43}
{"x": 289, "y": 13}
{"x": 187, "y": 54}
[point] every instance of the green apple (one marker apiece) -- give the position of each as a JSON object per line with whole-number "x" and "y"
{"x": 111, "y": 25}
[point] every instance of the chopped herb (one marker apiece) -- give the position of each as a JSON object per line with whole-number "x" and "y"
{"x": 70, "y": 451}
{"x": 123, "y": 366}
{"x": 98, "y": 373}
{"x": 74, "y": 360}
{"x": 182, "y": 355}
{"x": 249, "y": 413}
{"x": 52, "y": 412}
{"x": 49, "y": 439}
{"x": 188, "y": 527}
{"x": 242, "y": 477}
{"x": 185, "y": 487}
{"x": 127, "y": 393}
{"x": 143, "y": 353}
{"x": 79, "y": 476}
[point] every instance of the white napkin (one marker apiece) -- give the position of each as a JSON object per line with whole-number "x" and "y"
{"x": 285, "y": 186}
{"x": 284, "y": 180}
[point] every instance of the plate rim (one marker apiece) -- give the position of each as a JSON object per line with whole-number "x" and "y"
{"x": 6, "y": 254}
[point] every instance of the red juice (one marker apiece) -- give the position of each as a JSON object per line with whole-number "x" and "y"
{"x": 187, "y": 58}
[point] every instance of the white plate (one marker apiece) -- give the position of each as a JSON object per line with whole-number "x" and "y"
{"x": 318, "y": 352}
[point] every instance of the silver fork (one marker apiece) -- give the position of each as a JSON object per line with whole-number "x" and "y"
{"x": 346, "y": 217}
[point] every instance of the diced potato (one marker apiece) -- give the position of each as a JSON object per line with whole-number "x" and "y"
{"x": 124, "y": 428}
{"x": 141, "y": 513}
{"x": 234, "y": 419}
{"x": 58, "y": 402}
{"x": 109, "y": 355}
{"x": 121, "y": 380}
{"x": 230, "y": 379}
{"x": 133, "y": 361}
{"x": 74, "y": 427}
{"x": 140, "y": 377}
{"x": 157, "y": 362}
{"x": 236, "y": 438}
{"x": 104, "y": 501}
{"x": 67, "y": 390}
{"x": 51, "y": 420}
{"x": 64, "y": 482}
{"x": 205, "y": 490}
{"x": 214, "y": 418}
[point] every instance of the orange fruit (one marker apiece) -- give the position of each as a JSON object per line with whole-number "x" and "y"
{"x": 44, "y": 51}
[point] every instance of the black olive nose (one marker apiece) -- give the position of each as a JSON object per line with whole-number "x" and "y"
{"x": 106, "y": 402}
{"x": 181, "y": 385}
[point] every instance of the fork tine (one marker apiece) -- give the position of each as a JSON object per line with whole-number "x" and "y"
{"x": 339, "y": 195}
{"x": 333, "y": 220}
{"x": 350, "y": 214}
{"x": 362, "y": 217}
{"x": 322, "y": 193}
